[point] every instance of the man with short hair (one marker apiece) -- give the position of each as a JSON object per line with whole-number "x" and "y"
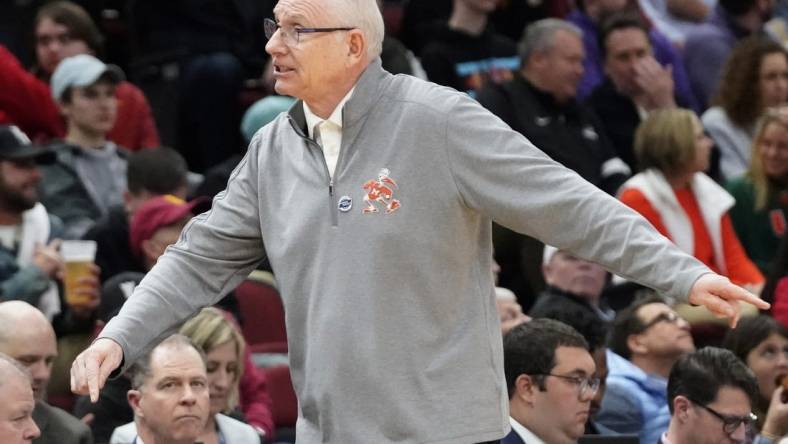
{"x": 89, "y": 176}
{"x": 16, "y": 409}
{"x": 710, "y": 396}
{"x": 646, "y": 339}
{"x": 27, "y": 336}
{"x": 149, "y": 173}
{"x": 572, "y": 283}
{"x": 373, "y": 198}
{"x": 550, "y": 378}
{"x": 169, "y": 395}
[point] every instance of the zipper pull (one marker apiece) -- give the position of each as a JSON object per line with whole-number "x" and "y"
{"x": 331, "y": 187}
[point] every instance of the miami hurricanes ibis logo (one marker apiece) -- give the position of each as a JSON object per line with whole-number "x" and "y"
{"x": 380, "y": 192}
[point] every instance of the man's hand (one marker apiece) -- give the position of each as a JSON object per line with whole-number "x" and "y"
{"x": 721, "y": 297}
{"x": 656, "y": 82}
{"x": 48, "y": 259}
{"x": 92, "y": 367}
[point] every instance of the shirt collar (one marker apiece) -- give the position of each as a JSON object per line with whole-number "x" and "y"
{"x": 336, "y": 116}
{"x": 526, "y": 435}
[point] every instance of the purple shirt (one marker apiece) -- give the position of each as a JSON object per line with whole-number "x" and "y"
{"x": 593, "y": 70}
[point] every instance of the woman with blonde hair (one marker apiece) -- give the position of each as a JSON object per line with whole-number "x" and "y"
{"x": 762, "y": 193}
{"x": 682, "y": 202}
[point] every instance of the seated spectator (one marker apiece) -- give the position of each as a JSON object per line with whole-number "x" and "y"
{"x": 466, "y": 53}
{"x": 571, "y": 283}
{"x": 30, "y": 263}
{"x": 540, "y": 103}
{"x": 636, "y": 84}
{"x": 63, "y": 29}
{"x": 646, "y": 339}
{"x": 16, "y": 410}
{"x": 89, "y": 176}
{"x": 758, "y": 215}
{"x": 755, "y": 78}
{"x": 595, "y": 334}
{"x": 591, "y": 16}
{"x": 680, "y": 201}
{"x": 550, "y": 378}
{"x": 707, "y": 47}
{"x": 710, "y": 394}
{"x": 149, "y": 173}
{"x": 27, "y": 336}
{"x": 762, "y": 344}
{"x": 676, "y": 18}
{"x": 509, "y": 311}
{"x": 169, "y": 395}
{"x": 212, "y": 331}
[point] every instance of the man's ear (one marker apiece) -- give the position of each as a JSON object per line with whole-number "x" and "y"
{"x": 681, "y": 407}
{"x": 134, "y": 398}
{"x": 636, "y": 345}
{"x": 357, "y": 46}
{"x": 525, "y": 388}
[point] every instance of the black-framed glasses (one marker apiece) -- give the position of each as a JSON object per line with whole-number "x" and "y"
{"x": 730, "y": 423}
{"x": 670, "y": 317}
{"x": 586, "y": 386}
{"x": 292, "y": 34}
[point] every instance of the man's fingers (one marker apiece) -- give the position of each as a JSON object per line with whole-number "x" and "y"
{"x": 736, "y": 293}
{"x": 92, "y": 372}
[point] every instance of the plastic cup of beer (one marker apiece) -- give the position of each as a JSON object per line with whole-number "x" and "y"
{"x": 78, "y": 256}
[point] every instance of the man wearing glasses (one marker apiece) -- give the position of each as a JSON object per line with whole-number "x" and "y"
{"x": 646, "y": 339}
{"x": 710, "y": 394}
{"x": 374, "y": 196}
{"x": 550, "y": 378}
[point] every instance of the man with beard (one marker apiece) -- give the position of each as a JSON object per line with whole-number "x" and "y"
{"x": 29, "y": 258}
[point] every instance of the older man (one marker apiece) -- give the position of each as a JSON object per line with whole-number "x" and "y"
{"x": 169, "y": 395}
{"x": 16, "y": 410}
{"x": 27, "y": 336}
{"x": 374, "y": 196}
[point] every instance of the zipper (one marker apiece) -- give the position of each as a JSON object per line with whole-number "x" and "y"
{"x": 331, "y": 205}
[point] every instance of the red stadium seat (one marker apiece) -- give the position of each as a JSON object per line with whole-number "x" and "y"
{"x": 283, "y": 398}
{"x": 263, "y": 314}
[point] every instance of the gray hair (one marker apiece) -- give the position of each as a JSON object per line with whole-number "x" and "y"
{"x": 366, "y": 16}
{"x": 140, "y": 371}
{"x": 9, "y": 363}
{"x": 539, "y": 36}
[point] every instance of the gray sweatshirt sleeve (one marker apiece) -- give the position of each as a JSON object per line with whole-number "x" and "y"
{"x": 215, "y": 252}
{"x": 501, "y": 174}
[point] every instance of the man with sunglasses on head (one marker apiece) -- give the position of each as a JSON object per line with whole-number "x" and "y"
{"x": 646, "y": 339}
{"x": 551, "y": 379}
{"x": 710, "y": 396}
{"x": 374, "y": 196}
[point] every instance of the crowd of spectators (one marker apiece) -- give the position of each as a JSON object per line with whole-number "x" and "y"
{"x": 120, "y": 120}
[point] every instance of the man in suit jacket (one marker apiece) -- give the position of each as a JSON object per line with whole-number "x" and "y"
{"x": 551, "y": 381}
{"x": 27, "y": 336}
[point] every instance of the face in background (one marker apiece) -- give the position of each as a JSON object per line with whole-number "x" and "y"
{"x": 92, "y": 109}
{"x": 311, "y": 68}
{"x": 224, "y": 371}
{"x": 54, "y": 43}
{"x": 663, "y": 338}
{"x": 703, "y": 146}
{"x": 560, "y": 409}
{"x": 481, "y": 6}
{"x": 600, "y": 361}
{"x": 705, "y": 428}
{"x": 173, "y": 402}
{"x": 16, "y": 409}
{"x": 19, "y": 181}
{"x": 165, "y": 236}
{"x": 561, "y": 65}
{"x": 34, "y": 346}
{"x": 769, "y": 360}
{"x": 626, "y": 48}
{"x": 773, "y": 149}
{"x": 773, "y": 79}
{"x": 575, "y": 275}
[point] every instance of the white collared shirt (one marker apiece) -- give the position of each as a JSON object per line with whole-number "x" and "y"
{"x": 527, "y": 436}
{"x": 328, "y": 133}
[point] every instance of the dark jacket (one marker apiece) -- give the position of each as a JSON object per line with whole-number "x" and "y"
{"x": 113, "y": 253}
{"x": 58, "y": 427}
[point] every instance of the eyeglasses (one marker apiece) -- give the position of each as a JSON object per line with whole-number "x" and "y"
{"x": 586, "y": 387}
{"x": 291, "y": 34}
{"x": 730, "y": 423}
{"x": 668, "y": 316}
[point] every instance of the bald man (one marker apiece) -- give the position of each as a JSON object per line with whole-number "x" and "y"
{"x": 27, "y": 336}
{"x": 16, "y": 410}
